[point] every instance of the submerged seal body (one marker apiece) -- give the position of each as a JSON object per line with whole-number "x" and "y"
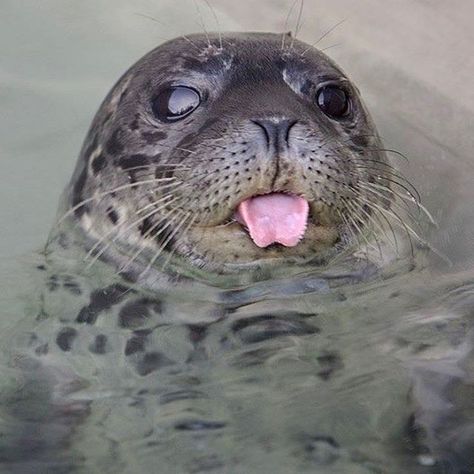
{"x": 230, "y": 153}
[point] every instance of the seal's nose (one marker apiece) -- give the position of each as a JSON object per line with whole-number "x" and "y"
{"x": 276, "y": 131}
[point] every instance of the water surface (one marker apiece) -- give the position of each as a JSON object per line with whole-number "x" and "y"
{"x": 309, "y": 374}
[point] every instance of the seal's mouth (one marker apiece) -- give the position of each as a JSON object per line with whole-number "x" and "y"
{"x": 275, "y": 218}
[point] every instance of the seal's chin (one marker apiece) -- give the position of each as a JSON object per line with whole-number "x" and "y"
{"x": 274, "y": 218}
{"x": 272, "y": 229}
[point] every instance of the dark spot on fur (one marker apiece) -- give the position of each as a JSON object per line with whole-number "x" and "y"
{"x": 136, "y": 122}
{"x": 260, "y": 328}
{"x": 153, "y": 137}
{"x": 145, "y": 226}
{"x": 188, "y": 140}
{"x": 102, "y": 300}
{"x": 70, "y": 285}
{"x": 133, "y": 161}
{"x": 163, "y": 170}
{"x": 329, "y": 362}
{"x": 99, "y": 344}
{"x": 41, "y": 267}
{"x": 73, "y": 289}
{"x": 341, "y": 296}
{"x": 53, "y": 283}
{"x": 416, "y": 436}
{"x": 136, "y": 343}
{"x": 361, "y": 140}
{"x": 42, "y": 350}
{"x": 253, "y": 357}
{"x": 98, "y": 163}
{"x": 112, "y": 215}
{"x": 199, "y": 425}
{"x": 197, "y": 333}
{"x": 165, "y": 239}
{"x": 65, "y": 338}
{"x": 114, "y": 146}
{"x": 421, "y": 347}
{"x": 136, "y": 313}
{"x": 152, "y": 361}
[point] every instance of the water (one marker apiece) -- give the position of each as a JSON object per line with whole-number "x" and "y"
{"x": 315, "y": 373}
{"x": 312, "y": 373}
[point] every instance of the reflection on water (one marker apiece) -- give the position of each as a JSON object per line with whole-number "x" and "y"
{"x": 308, "y": 374}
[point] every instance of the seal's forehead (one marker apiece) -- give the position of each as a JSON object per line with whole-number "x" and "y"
{"x": 261, "y": 53}
{"x": 242, "y": 44}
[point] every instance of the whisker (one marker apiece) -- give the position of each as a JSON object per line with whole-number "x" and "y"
{"x": 352, "y": 216}
{"x": 178, "y": 166}
{"x": 148, "y": 233}
{"x": 391, "y": 203}
{"x": 374, "y": 218}
{"x": 364, "y": 159}
{"x": 412, "y": 200}
{"x": 152, "y": 204}
{"x": 408, "y": 187}
{"x": 335, "y": 45}
{"x": 183, "y": 235}
{"x": 389, "y": 150}
{"x": 386, "y": 193}
{"x": 121, "y": 231}
{"x": 106, "y": 193}
{"x": 382, "y": 164}
{"x": 176, "y": 187}
{"x": 285, "y": 27}
{"x": 398, "y": 220}
{"x": 219, "y": 31}
{"x": 149, "y": 17}
{"x": 349, "y": 227}
{"x": 155, "y": 167}
{"x": 387, "y": 173}
{"x": 323, "y": 36}
{"x": 298, "y": 24}
{"x": 201, "y": 22}
{"x": 164, "y": 244}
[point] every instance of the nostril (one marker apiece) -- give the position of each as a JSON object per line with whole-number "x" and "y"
{"x": 268, "y": 129}
{"x": 276, "y": 131}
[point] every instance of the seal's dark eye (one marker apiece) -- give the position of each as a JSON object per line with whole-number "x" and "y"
{"x": 333, "y": 101}
{"x": 175, "y": 103}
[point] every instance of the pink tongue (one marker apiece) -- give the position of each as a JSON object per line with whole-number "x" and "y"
{"x": 274, "y": 218}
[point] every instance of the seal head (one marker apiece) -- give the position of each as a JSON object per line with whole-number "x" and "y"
{"x": 229, "y": 157}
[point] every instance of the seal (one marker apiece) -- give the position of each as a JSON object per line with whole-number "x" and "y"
{"x": 231, "y": 152}
{"x": 222, "y": 155}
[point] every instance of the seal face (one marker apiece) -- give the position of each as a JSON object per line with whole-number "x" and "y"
{"x": 229, "y": 157}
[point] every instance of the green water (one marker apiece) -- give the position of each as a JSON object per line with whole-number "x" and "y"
{"x": 318, "y": 373}
{"x": 308, "y": 374}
